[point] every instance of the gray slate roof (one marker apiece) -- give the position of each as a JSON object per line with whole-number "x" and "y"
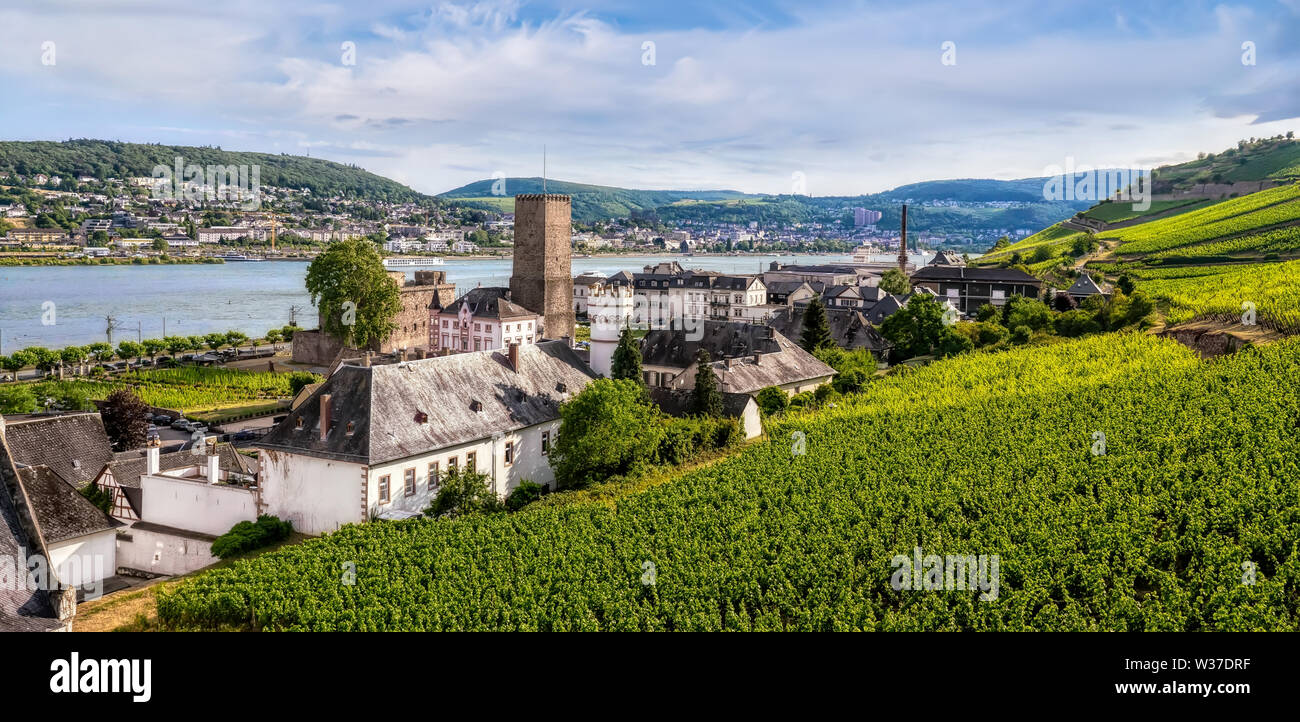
{"x": 850, "y": 328}
{"x": 383, "y": 403}
{"x": 21, "y": 610}
{"x": 487, "y": 302}
{"x": 780, "y": 360}
{"x": 1084, "y": 286}
{"x": 75, "y": 446}
{"x": 677, "y": 402}
{"x": 980, "y": 275}
{"x": 61, "y": 511}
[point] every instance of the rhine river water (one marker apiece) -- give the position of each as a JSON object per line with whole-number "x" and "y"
{"x": 249, "y": 297}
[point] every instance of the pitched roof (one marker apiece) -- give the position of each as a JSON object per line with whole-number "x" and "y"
{"x": 850, "y": 328}
{"x": 61, "y": 511}
{"x": 747, "y": 358}
{"x": 947, "y": 258}
{"x": 1084, "y": 286}
{"x": 980, "y": 275}
{"x": 21, "y": 609}
{"x": 407, "y": 409}
{"x": 127, "y": 469}
{"x": 677, "y": 402}
{"x": 486, "y": 302}
{"x": 75, "y": 446}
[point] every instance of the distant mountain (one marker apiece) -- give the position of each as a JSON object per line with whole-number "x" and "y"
{"x": 1023, "y": 190}
{"x": 1258, "y": 160}
{"x": 111, "y": 159}
{"x": 590, "y": 202}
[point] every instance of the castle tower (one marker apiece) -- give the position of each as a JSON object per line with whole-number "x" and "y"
{"x": 542, "y": 280}
{"x": 609, "y": 307}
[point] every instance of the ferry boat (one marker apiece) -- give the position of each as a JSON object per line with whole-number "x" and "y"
{"x": 232, "y": 257}
{"x": 411, "y": 261}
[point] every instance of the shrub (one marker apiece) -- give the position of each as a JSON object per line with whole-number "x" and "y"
{"x": 526, "y": 493}
{"x": 462, "y": 493}
{"x": 17, "y": 399}
{"x": 987, "y": 312}
{"x": 1076, "y": 323}
{"x": 247, "y": 536}
{"x": 609, "y": 428}
{"x": 772, "y": 400}
{"x": 1021, "y": 334}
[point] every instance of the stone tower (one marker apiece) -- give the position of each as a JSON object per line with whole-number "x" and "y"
{"x": 542, "y": 280}
{"x": 609, "y": 307}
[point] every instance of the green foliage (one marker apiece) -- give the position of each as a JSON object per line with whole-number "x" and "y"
{"x": 706, "y": 398}
{"x": 1020, "y": 335}
{"x": 626, "y": 361}
{"x": 917, "y": 328}
{"x": 463, "y": 493}
{"x": 772, "y": 400}
{"x": 524, "y": 494}
{"x": 1137, "y": 539}
{"x": 816, "y": 331}
{"x": 988, "y": 312}
{"x": 247, "y": 536}
{"x": 101, "y": 498}
{"x": 299, "y": 379}
{"x": 896, "y": 282}
{"x": 1029, "y": 312}
{"x": 609, "y": 428}
{"x": 123, "y": 415}
{"x": 1076, "y": 323}
{"x": 17, "y": 399}
{"x": 357, "y": 299}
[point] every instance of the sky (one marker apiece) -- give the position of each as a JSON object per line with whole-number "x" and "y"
{"x": 834, "y": 98}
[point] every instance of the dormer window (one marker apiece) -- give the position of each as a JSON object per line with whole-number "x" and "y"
{"x": 351, "y": 428}
{"x": 298, "y": 423}
{"x": 421, "y": 417}
{"x": 475, "y": 405}
{"x": 561, "y": 387}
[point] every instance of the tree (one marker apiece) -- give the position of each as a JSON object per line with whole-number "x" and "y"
{"x": 101, "y": 498}
{"x": 357, "y": 298}
{"x": 816, "y": 333}
{"x": 273, "y": 337}
{"x": 153, "y": 347}
{"x": 987, "y": 312}
{"x": 42, "y": 358}
{"x": 159, "y": 244}
{"x": 128, "y": 350}
{"x": 1028, "y": 312}
{"x": 123, "y": 414}
{"x": 772, "y": 400}
{"x": 1126, "y": 284}
{"x": 176, "y": 344}
{"x": 72, "y": 355}
{"x": 626, "y": 363}
{"x": 215, "y": 341}
{"x": 299, "y": 379}
{"x": 609, "y": 428}
{"x": 235, "y": 339}
{"x": 100, "y": 351}
{"x": 461, "y": 493}
{"x": 706, "y": 399}
{"x": 896, "y": 282}
{"x": 916, "y": 328}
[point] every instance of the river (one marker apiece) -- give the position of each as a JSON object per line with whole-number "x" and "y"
{"x": 193, "y": 300}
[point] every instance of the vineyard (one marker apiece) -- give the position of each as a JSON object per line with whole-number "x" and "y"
{"x": 184, "y": 389}
{"x": 991, "y": 454}
{"x": 1241, "y": 215}
{"x": 1058, "y": 238}
{"x": 1274, "y": 289}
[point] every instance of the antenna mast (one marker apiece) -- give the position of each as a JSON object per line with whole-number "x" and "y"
{"x": 543, "y": 169}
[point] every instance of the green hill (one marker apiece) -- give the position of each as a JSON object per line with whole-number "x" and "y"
{"x": 1275, "y": 159}
{"x": 110, "y": 159}
{"x": 590, "y": 202}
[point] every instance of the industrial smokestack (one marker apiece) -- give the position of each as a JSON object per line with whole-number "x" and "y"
{"x": 902, "y": 243}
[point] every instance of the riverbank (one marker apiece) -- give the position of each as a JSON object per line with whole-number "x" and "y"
{"x": 16, "y": 261}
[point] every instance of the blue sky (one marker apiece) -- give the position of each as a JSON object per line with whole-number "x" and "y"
{"x": 854, "y": 96}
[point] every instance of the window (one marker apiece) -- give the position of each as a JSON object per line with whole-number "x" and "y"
{"x": 351, "y": 428}
{"x": 298, "y": 423}
{"x": 410, "y": 481}
{"x": 478, "y": 327}
{"x": 444, "y": 323}
{"x": 478, "y": 343}
{"x": 510, "y": 453}
{"x": 444, "y": 341}
{"x": 433, "y": 476}
{"x": 452, "y": 463}
{"x": 546, "y": 443}
{"x": 383, "y": 489}
{"x": 470, "y": 460}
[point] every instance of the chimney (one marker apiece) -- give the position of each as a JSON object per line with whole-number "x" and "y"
{"x": 902, "y": 243}
{"x": 758, "y": 359}
{"x": 214, "y": 467}
{"x": 401, "y": 354}
{"x": 365, "y": 360}
{"x": 151, "y": 455}
{"x": 514, "y": 357}
{"x": 324, "y": 416}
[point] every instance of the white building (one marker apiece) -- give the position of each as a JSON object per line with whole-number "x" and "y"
{"x": 80, "y": 539}
{"x": 373, "y": 441}
{"x": 482, "y": 320}
{"x": 610, "y": 310}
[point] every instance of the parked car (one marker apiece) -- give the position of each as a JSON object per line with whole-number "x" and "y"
{"x": 162, "y": 419}
{"x": 197, "y": 428}
{"x": 181, "y": 424}
{"x": 245, "y": 435}
{"x": 152, "y": 430}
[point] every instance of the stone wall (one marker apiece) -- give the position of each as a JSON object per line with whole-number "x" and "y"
{"x": 542, "y": 280}
{"x": 319, "y": 349}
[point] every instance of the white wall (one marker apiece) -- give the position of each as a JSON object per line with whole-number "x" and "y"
{"x": 317, "y": 495}
{"x": 159, "y": 553}
{"x": 194, "y": 504}
{"x": 529, "y": 465}
{"x": 96, "y": 558}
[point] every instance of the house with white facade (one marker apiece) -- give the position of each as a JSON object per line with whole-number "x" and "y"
{"x": 80, "y": 539}
{"x": 374, "y": 441}
{"x": 482, "y": 320}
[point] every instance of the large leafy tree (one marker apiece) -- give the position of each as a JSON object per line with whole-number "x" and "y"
{"x": 609, "y": 428}
{"x": 356, "y": 297}
{"x": 896, "y": 282}
{"x": 626, "y": 363}
{"x": 706, "y": 399}
{"x": 917, "y": 328}
{"x": 123, "y": 415}
{"x": 816, "y": 332}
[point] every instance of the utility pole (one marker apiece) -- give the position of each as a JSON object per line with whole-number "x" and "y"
{"x": 139, "y": 332}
